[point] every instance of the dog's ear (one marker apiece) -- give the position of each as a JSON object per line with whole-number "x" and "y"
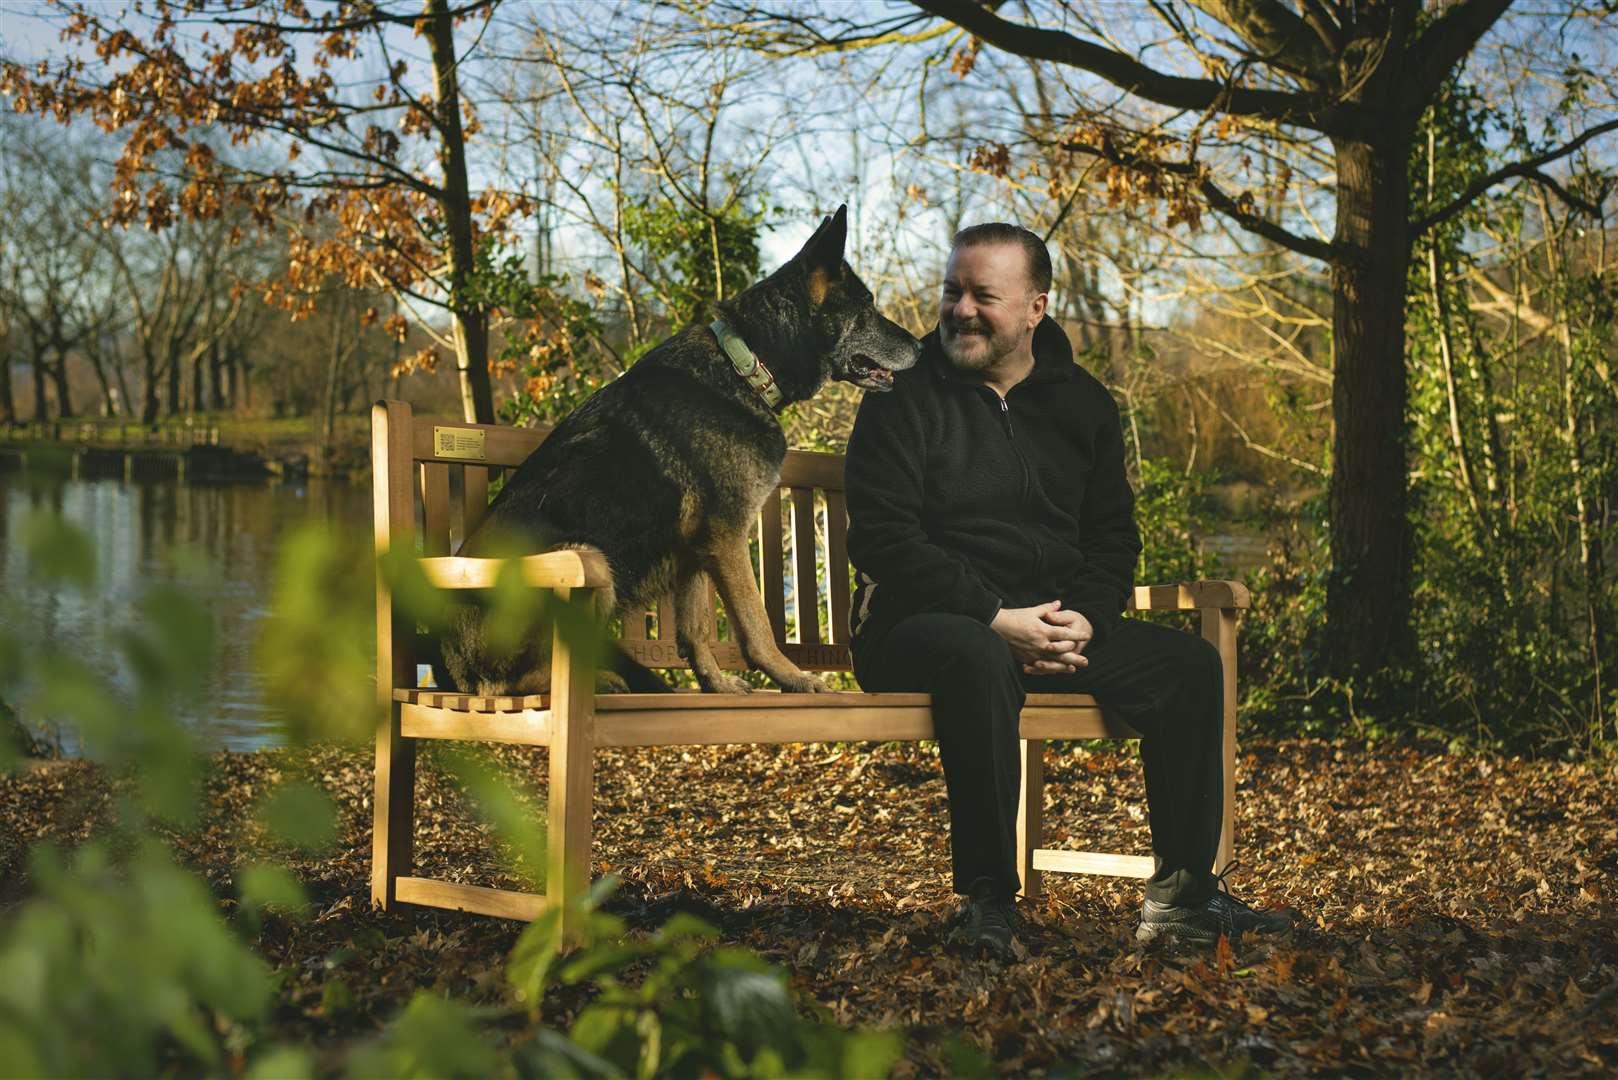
{"x": 822, "y": 255}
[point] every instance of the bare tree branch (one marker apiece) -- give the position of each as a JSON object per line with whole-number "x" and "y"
{"x": 1319, "y": 112}
{"x": 1530, "y": 168}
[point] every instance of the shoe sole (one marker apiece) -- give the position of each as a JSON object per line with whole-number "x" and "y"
{"x": 1178, "y": 934}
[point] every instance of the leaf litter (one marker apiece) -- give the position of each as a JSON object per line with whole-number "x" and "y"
{"x": 1457, "y": 913}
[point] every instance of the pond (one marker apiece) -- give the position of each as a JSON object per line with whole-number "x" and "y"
{"x": 136, "y": 528}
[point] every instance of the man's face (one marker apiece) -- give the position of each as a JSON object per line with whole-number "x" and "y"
{"x": 988, "y": 305}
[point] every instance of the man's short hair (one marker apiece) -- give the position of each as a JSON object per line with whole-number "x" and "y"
{"x": 1035, "y": 253}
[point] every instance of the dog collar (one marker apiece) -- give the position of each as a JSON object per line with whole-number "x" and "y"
{"x": 746, "y": 363}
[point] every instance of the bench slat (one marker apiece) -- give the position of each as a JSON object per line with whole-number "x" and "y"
{"x": 805, "y": 576}
{"x": 810, "y": 469}
{"x": 474, "y": 498}
{"x": 502, "y": 903}
{"x": 1094, "y": 862}
{"x": 554, "y": 569}
{"x": 435, "y": 509}
{"x": 837, "y": 565}
{"x": 530, "y": 727}
{"x": 763, "y": 699}
{"x": 769, "y": 542}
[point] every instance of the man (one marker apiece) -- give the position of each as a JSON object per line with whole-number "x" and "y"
{"x": 993, "y": 531}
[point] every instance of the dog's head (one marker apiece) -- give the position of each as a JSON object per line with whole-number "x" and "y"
{"x": 857, "y": 343}
{"x": 814, "y": 320}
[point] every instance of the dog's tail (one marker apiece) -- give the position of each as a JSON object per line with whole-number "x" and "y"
{"x": 639, "y": 678}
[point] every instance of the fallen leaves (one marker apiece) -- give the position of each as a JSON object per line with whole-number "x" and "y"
{"x": 1457, "y": 912}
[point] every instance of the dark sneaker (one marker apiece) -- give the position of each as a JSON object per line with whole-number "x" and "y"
{"x": 1220, "y": 914}
{"x": 988, "y": 921}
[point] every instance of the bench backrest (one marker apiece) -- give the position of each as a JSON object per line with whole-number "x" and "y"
{"x": 799, "y": 536}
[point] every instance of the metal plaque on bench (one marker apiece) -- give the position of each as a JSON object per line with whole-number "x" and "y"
{"x": 463, "y": 443}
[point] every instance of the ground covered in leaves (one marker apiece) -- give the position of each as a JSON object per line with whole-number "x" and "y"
{"x": 1459, "y": 913}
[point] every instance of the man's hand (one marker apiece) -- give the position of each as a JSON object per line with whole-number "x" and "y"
{"x": 1044, "y": 639}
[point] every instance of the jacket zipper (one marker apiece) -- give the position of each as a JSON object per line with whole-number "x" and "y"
{"x": 1027, "y": 481}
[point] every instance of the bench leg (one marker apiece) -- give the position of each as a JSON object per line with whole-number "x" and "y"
{"x": 1219, "y": 627}
{"x": 393, "y": 802}
{"x": 1030, "y": 805}
{"x": 572, "y": 776}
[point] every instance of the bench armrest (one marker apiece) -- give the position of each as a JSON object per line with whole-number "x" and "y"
{"x": 552, "y": 570}
{"x": 1190, "y": 595}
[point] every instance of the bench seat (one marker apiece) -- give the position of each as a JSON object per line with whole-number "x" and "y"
{"x": 764, "y": 717}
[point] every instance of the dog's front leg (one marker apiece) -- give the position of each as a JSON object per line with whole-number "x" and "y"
{"x": 694, "y": 633}
{"x": 733, "y": 573}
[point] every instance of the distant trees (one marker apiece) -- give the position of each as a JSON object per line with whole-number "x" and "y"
{"x": 374, "y": 189}
{"x": 168, "y": 322}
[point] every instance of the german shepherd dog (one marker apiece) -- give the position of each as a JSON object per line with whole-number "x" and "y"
{"x": 664, "y": 469}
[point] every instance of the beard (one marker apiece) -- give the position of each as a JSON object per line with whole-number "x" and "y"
{"x": 972, "y": 347}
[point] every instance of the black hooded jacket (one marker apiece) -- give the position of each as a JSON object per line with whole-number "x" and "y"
{"x": 962, "y": 502}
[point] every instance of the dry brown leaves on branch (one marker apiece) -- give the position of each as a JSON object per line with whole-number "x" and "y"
{"x": 1460, "y": 911}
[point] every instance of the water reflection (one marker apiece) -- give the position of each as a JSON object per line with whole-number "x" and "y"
{"x": 137, "y": 528}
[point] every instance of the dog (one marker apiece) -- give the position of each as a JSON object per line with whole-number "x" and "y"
{"x": 663, "y": 470}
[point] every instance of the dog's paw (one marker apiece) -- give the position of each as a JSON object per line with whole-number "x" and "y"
{"x": 724, "y": 684}
{"x": 803, "y": 683}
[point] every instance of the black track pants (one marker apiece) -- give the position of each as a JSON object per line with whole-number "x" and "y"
{"x": 1165, "y": 683}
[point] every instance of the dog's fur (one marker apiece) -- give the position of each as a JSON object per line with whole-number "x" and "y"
{"x": 664, "y": 469}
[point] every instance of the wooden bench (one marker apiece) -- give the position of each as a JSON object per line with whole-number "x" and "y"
{"x": 414, "y": 465}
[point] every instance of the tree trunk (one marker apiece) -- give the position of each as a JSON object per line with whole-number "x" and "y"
{"x": 471, "y": 327}
{"x": 216, "y": 389}
{"x": 174, "y": 385}
{"x": 196, "y": 401}
{"x": 148, "y": 392}
{"x": 8, "y": 401}
{"x": 1368, "y": 592}
{"x": 328, "y": 426}
{"x": 64, "y": 396}
{"x": 41, "y": 407}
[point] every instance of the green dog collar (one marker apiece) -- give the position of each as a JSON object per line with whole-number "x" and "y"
{"x": 746, "y": 363}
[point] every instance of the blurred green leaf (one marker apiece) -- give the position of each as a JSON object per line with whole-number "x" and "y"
{"x": 517, "y": 823}
{"x": 58, "y": 550}
{"x": 607, "y": 1029}
{"x": 301, "y": 814}
{"x": 532, "y": 957}
{"x": 747, "y": 1002}
{"x": 335, "y": 998}
{"x": 433, "y": 1037}
{"x": 553, "y": 1056}
{"x": 282, "y": 1063}
{"x": 683, "y": 924}
{"x": 172, "y": 653}
{"x": 316, "y": 651}
{"x": 263, "y": 885}
{"x": 420, "y": 600}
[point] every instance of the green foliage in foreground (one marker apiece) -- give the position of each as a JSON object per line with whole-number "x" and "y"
{"x": 120, "y": 962}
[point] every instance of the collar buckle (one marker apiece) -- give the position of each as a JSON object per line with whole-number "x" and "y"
{"x": 746, "y": 362}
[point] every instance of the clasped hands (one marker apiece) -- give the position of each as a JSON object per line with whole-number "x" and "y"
{"x": 1045, "y": 639}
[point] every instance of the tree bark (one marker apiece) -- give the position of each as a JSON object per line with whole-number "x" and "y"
{"x": 1368, "y": 592}
{"x": 8, "y": 402}
{"x": 216, "y": 389}
{"x": 64, "y": 396}
{"x": 174, "y": 382}
{"x": 471, "y": 325}
{"x": 41, "y": 408}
